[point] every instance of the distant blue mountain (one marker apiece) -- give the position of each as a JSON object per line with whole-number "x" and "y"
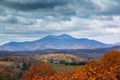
{"x": 63, "y": 41}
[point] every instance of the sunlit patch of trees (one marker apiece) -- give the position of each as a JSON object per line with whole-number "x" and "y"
{"x": 108, "y": 68}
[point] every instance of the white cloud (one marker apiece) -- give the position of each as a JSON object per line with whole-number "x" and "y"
{"x": 93, "y": 19}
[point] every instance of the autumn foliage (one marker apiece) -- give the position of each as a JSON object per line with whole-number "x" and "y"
{"x": 108, "y": 68}
{"x": 9, "y": 73}
{"x": 39, "y": 71}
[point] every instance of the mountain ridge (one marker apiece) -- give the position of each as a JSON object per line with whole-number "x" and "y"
{"x": 63, "y": 41}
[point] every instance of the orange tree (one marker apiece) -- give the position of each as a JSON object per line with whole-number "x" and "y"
{"x": 39, "y": 71}
{"x": 107, "y": 68}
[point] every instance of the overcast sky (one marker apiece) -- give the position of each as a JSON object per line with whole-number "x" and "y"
{"x": 27, "y": 20}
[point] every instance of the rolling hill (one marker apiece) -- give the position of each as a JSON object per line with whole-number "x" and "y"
{"x": 59, "y": 57}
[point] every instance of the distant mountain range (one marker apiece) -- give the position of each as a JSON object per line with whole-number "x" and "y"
{"x": 86, "y": 54}
{"x": 63, "y": 41}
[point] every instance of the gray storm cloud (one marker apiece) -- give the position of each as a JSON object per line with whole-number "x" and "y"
{"x": 81, "y": 18}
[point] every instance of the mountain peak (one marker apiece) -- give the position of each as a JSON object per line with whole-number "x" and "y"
{"x": 65, "y": 36}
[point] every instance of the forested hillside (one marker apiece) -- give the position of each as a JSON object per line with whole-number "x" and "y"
{"x": 108, "y": 68}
